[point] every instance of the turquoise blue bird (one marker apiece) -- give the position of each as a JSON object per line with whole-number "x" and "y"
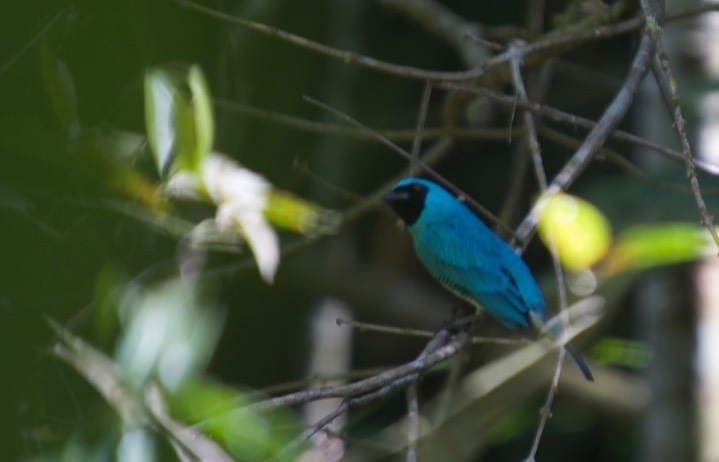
{"x": 470, "y": 260}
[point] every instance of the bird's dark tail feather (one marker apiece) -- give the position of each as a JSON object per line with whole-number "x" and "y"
{"x": 579, "y": 362}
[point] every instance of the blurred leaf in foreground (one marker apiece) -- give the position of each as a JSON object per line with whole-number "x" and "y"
{"x": 621, "y": 352}
{"x": 224, "y": 414}
{"x": 207, "y": 413}
{"x": 178, "y": 117}
{"x": 578, "y": 230}
{"x": 169, "y": 333}
{"x": 647, "y": 246}
{"x": 142, "y": 412}
{"x": 180, "y": 132}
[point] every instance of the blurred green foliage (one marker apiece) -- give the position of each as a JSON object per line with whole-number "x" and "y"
{"x": 580, "y": 233}
{"x": 73, "y": 161}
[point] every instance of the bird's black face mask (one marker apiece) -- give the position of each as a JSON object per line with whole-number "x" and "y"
{"x": 407, "y": 201}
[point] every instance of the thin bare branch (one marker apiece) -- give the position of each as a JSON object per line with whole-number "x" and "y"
{"x": 323, "y": 422}
{"x": 517, "y": 53}
{"x": 539, "y": 51}
{"x": 450, "y": 27}
{"x": 322, "y": 128}
{"x": 557, "y": 115}
{"x": 370, "y": 327}
{"x": 412, "y": 422}
{"x": 441, "y": 347}
{"x": 599, "y": 134}
{"x": 343, "y": 55}
{"x": 654, "y": 21}
{"x": 397, "y": 149}
{"x": 419, "y": 129}
{"x": 536, "y": 156}
{"x": 546, "y": 411}
{"x": 621, "y": 162}
{"x": 34, "y": 40}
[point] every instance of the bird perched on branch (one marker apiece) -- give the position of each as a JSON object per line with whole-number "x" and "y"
{"x": 468, "y": 259}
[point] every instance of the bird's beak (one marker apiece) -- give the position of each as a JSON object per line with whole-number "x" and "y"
{"x": 396, "y": 196}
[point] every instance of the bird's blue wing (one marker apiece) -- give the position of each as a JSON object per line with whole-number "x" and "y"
{"x": 480, "y": 268}
{"x": 469, "y": 259}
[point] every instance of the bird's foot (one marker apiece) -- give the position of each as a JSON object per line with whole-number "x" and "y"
{"x": 463, "y": 317}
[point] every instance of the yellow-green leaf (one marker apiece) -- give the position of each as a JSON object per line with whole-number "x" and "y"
{"x": 204, "y": 124}
{"x": 578, "y": 230}
{"x": 290, "y": 212}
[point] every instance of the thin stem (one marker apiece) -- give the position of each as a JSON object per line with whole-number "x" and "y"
{"x": 517, "y": 53}
{"x": 556, "y": 115}
{"x": 412, "y": 422}
{"x": 536, "y": 157}
{"x": 35, "y": 39}
{"x": 546, "y": 411}
{"x": 322, "y": 128}
{"x": 342, "y": 55}
{"x": 440, "y": 348}
{"x": 553, "y": 43}
{"x": 654, "y": 21}
{"x": 419, "y": 130}
{"x": 598, "y": 136}
{"x": 436, "y": 175}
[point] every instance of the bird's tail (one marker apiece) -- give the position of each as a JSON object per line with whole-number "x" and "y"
{"x": 554, "y": 329}
{"x": 579, "y": 362}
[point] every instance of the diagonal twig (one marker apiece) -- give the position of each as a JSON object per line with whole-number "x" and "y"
{"x": 597, "y": 137}
{"x": 536, "y": 156}
{"x": 419, "y": 129}
{"x": 654, "y": 21}
{"x": 557, "y": 115}
{"x": 432, "y": 355}
{"x": 412, "y": 422}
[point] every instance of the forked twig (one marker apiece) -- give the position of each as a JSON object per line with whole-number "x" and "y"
{"x": 654, "y": 28}
{"x": 597, "y": 137}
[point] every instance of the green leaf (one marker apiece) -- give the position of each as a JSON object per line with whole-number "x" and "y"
{"x": 293, "y": 213}
{"x": 621, "y": 352}
{"x": 647, "y": 246}
{"x": 202, "y": 113}
{"x": 224, "y": 414}
{"x": 178, "y": 118}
